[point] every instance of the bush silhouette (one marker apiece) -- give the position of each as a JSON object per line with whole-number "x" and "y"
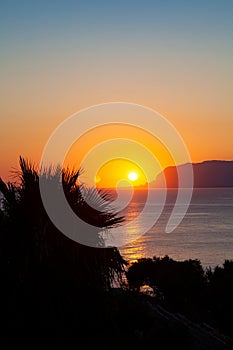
{"x": 220, "y": 293}
{"x": 184, "y": 287}
{"x": 181, "y": 283}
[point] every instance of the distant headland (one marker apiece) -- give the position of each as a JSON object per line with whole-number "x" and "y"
{"x": 207, "y": 174}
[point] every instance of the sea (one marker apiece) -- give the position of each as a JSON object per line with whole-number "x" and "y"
{"x": 205, "y": 233}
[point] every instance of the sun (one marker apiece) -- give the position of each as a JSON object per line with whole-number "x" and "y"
{"x": 118, "y": 173}
{"x": 132, "y": 176}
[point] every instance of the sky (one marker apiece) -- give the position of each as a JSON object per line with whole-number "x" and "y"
{"x": 58, "y": 57}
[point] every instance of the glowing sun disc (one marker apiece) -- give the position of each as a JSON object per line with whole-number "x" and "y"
{"x": 132, "y": 176}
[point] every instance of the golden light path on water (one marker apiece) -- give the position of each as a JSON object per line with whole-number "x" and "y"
{"x": 205, "y": 232}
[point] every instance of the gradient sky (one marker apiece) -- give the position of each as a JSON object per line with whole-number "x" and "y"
{"x": 60, "y": 56}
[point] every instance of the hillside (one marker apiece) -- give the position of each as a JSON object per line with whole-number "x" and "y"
{"x": 211, "y": 173}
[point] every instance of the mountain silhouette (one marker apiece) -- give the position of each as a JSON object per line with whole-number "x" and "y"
{"x": 211, "y": 173}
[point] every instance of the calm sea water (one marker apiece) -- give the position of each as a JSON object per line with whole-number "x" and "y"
{"x": 206, "y": 232}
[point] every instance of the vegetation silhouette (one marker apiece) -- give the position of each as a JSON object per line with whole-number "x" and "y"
{"x": 49, "y": 281}
{"x": 179, "y": 283}
{"x": 185, "y": 287}
{"x": 42, "y": 270}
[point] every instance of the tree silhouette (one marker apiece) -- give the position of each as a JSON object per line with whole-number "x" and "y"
{"x": 41, "y": 267}
{"x": 180, "y": 283}
{"x": 220, "y": 291}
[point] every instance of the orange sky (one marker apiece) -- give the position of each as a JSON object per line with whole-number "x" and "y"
{"x": 174, "y": 57}
{"x": 113, "y": 171}
{"x": 207, "y": 135}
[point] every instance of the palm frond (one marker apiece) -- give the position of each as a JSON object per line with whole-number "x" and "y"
{"x": 41, "y": 242}
{"x": 70, "y": 177}
{"x": 28, "y": 173}
{"x": 9, "y": 192}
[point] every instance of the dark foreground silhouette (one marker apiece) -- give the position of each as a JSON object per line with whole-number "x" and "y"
{"x": 49, "y": 282}
{"x": 184, "y": 287}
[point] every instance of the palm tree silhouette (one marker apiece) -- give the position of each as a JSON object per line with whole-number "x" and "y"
{"x": 31, "y": 243}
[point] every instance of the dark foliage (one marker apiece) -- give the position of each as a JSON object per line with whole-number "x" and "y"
{"x": 183, "y": 286}
{"x": 44, "y": 274}
{"x": 220, "y": 296}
